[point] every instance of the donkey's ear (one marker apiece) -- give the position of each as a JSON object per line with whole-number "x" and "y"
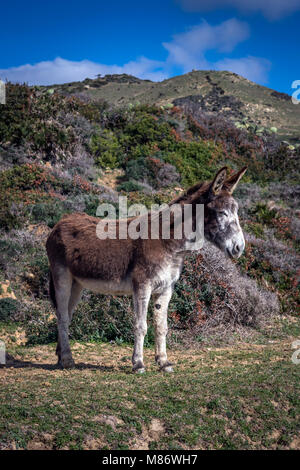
{"x": 233, "y": 181}
{"x": 219, "y": 180}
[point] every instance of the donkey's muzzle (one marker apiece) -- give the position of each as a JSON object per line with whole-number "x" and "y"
{"x": 237, "y": 249}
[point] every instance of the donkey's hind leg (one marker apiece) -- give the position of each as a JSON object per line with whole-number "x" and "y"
{"x": 63, "y": 285}
{"x": 75, "y": 296}
{"x": 76, "y": 292}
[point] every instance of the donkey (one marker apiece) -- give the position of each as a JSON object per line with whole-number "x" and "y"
{"x": 138, "y": 267}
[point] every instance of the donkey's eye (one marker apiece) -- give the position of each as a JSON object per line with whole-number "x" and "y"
{"x": 223, "y": 213}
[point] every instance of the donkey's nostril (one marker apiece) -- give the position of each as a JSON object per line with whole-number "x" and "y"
{"x": 238, "y": 248}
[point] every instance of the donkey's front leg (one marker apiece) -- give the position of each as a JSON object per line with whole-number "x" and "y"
{"x": 161, "y": 303}
{"x": 141, "y": 297}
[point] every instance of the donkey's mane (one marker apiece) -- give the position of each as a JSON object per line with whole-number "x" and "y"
{"x": 199, "y": 188}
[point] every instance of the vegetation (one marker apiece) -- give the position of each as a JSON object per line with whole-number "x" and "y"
{"x": 155, "y": 149}
{"x": 224, "y": 94}
{"x": 60, "y": 152}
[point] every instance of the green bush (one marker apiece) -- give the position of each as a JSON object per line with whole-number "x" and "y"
{"x": 8, "y": 308}
{"x": 24, "y": 177}
{"x": 39, "y": 330}
{"x": 195, "y": 161}
{"x": 147, "y": 128}
{"x": 12, "y": 216}
{"x": 98, "y": 318}
{"x": 48, "y": 212}
{"x": 9, "y": 249}
{"x": 38, "y": 266}
{"x": 263, "y": 214}
{"x": 29, "y": 117}
{"x": 129, "y": 186}
{"x": 106, "y": 149}
{"x": 103, "y": 318}
{"x": 140, "y": 170}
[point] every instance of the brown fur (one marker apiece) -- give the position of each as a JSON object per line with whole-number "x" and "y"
{"x": 78, "y": 257}
{"x": 74, "y": 242}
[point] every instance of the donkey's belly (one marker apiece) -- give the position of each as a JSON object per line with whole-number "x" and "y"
{"x": 107, "y": 287}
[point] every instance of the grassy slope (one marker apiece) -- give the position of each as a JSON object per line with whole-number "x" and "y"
{"x": 245, "y": 397}
{"x": 259, "y": 103}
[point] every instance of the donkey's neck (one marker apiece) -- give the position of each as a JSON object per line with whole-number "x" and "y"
{"x": 190, "y": 223}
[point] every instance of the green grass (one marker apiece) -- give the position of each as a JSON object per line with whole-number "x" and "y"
{"x": 246, "y": 397}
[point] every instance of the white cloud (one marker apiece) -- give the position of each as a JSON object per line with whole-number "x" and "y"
{"x": 253, "y": 68}
{"x": 186, "y": 51}
{"x": 272, "y": 9}
{"x": 63, "y": 71}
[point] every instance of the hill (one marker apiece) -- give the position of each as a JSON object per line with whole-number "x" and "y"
{"x": 61, "y": 152}
{"x": 221, "y": 93}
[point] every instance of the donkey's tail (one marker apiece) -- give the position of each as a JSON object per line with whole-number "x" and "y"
{"x": 52, "y": 291}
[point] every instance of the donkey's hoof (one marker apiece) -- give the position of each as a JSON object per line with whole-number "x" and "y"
{"x": 167, "y": 367}
{"x": 67, "y": 363}
{"x": 139, "y": 369}
{"x": 138, "y": 366}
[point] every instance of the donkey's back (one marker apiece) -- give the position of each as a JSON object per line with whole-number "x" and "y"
{"x": 73, "y": 244}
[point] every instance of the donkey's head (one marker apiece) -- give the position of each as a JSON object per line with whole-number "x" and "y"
{"x": 221, "y": 222}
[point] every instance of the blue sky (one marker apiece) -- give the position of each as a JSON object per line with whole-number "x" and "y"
{"x": 47, "y": 42}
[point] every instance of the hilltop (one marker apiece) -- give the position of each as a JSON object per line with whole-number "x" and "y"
{"x": 221, "y": 93}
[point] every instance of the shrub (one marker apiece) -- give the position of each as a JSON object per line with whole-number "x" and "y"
{"x": 39, "y": 328}
{"x": 212, "y": 292}
{"x": 274, "y": 264}
{"x": 129, "y": 186}
{"x": 98, "y": 318}
{"x": 24, "y": 177}
{"x": 48, "y": 212}
{"x": 263, "y": 213}
{"x": 106, "y": 318}
{"x": 30, "y": 116}
{"x": 152, "y": 171}
{"x": 147, "y": 128}
{"x": 167, "y": 175}
{"x": 195, "y": 161}
{"x": 106, "y": 149}
{"x": 38, "y": 280}
{"x": 140, "y": 170}
{"x": 8, "y": 250}
{"x": 12, "y": 215}
{"x": 8, "y": 308}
